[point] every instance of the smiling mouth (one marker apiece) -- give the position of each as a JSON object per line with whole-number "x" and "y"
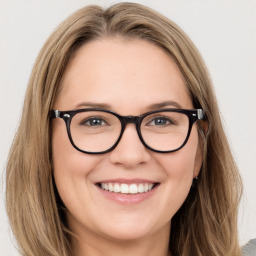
{"x": 127, "y": 188}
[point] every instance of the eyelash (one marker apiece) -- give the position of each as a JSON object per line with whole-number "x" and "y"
{"x": 92, "y": 119}
{"x": 161, "y": 117}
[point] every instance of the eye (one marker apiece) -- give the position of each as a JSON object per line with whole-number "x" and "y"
{"x": 93, "y": 121}
{"x": 159, "y": 121}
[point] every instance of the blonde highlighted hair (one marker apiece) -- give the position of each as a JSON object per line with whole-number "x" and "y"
{"x": 206, "y": 224}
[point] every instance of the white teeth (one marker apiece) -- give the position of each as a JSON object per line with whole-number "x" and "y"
{"x": 150, "y": 186}
{"x": 133, "y": 189}
{"x": 110, "y": 187}
{"x": 116, "y": 188}
{"x": 127, "y": 188}
{"x": 124, "y": 188}
{"x": 141, "y": 188}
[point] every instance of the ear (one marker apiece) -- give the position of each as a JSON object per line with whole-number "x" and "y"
{"x": 198, "y": 158}
{"x": 204, "y": 126}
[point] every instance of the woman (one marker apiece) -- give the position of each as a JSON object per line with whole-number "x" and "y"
{"x": 121, "y": 148}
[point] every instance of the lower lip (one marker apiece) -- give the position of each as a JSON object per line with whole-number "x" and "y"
{"x": 128, "y": 199}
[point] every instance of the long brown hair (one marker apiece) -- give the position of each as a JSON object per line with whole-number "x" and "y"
{"x": 206, "y": 224}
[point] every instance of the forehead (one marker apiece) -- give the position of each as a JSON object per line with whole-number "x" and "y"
{"x": 132, "y": 73}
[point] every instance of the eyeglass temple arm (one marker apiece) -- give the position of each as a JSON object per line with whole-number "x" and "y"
{"x": 200, "y": 114}
{"x": 205, "y": 125}
{"x": 55, "y": 113}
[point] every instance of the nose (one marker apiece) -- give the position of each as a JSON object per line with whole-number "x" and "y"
{"x": 130, "y": 151}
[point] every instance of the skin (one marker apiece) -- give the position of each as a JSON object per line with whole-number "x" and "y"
{"x": 128, "y": 75}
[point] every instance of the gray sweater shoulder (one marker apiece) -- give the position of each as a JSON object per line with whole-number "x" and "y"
{"x": 250, "y": 248}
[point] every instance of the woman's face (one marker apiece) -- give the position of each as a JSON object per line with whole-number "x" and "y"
{"x": 129, "y": 78}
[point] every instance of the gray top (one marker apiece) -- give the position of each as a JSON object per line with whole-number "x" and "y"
{"x": 250, "y": 248}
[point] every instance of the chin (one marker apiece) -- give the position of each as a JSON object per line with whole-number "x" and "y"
{"x": 130, "y": 229}
{"x": 127, "y": 235}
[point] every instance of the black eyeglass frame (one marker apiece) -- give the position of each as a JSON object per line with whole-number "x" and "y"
{"x": 192, "y": 114}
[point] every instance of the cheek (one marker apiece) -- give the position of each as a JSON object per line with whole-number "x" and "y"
{"x": 186, "y": 159}
{"x": 179, "y": 165}
{"x": 70, "y": 167}
{"x": 65, "y": 157}
{"x": 177, "y": 184}
{"x": 178, "y": 168}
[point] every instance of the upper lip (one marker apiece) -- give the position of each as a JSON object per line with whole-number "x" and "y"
{"x": 128, "y": 181}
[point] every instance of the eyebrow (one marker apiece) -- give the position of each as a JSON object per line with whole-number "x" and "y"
{"x": 153, "y": 106}
{"x": 164, "y": 104}
{"x": 93, "y": 105}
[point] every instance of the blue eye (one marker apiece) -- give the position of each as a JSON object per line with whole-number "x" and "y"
{"x": 159, "y": 121}
{"x": 94, "y": 121}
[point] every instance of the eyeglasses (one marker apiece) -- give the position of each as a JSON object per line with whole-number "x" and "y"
{"x": 98, "y": 131}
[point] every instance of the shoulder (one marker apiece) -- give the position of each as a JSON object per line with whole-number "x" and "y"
{"x": 250, "y": 248}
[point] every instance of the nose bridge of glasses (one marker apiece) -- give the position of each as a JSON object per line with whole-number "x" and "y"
{"x": 130, "y": 120}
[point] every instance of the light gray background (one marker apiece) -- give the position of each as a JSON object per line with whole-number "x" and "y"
{"x": 223, "y": 30}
